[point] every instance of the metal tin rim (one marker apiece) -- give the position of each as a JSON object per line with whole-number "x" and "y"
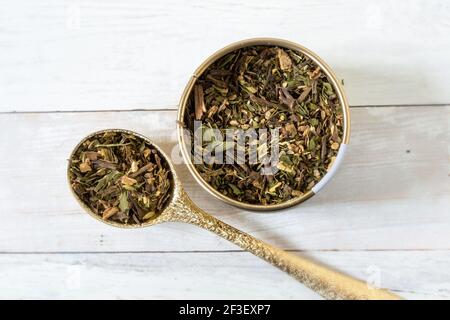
{"x": 238, "y": 45}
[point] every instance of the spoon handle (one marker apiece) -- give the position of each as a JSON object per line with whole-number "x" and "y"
{"x": 328, "y": 283}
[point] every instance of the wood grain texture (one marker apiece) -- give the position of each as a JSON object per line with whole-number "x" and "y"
{"x": 392, "y": 191}
{"x": 230, "y": 275}
{"x": 385, "y": 216}
{"x": 121, "y": 54}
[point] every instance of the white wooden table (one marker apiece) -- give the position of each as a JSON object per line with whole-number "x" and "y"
{"x": 68, "y": 68}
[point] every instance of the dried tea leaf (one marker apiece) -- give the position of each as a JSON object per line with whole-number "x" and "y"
{"x": 335, "y": 146}
{"x": 108, "y": 213}
{"x": 91, "y": 155}
{"x": 134, "y": 167}
{"x": 286, "y": 98}
{"x": 274, "y": 188}
{"x": 235, "y": 189}
{"x": 85, "y": 167}
{"x": 149, "y": 215}
{"x": 104, "y": 164}
{"x": 297, "y": 193}
{"x": 304, "y": 94}
{"x": 284, "y": 167}
{"x": 128, "y": 181}
{"x": 199, "y": 102}
{"x": 124, "y": 205}
{"x": 284, "y": 60}
{"x": 311, "y": 145}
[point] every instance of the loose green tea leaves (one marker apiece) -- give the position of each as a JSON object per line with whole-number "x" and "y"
{"x": 266, "y": 87}
{"x": 121, "y": 177}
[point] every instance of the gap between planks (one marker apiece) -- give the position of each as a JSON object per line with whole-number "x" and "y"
{"x": 435, "y": 105}
{"x": 212, "y": 251}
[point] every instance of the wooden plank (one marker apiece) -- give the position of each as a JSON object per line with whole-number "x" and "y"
{"x": 392, "y": 191}
{"x": 81, "y": 55}
{"x": 226, "y": 275}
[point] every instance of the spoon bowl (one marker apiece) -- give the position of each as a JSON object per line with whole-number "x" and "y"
{"x": 173, "y": 176}
{"x": 180, "y": 208}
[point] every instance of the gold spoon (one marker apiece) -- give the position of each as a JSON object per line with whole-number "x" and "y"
{"x": 328, "y": 283}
